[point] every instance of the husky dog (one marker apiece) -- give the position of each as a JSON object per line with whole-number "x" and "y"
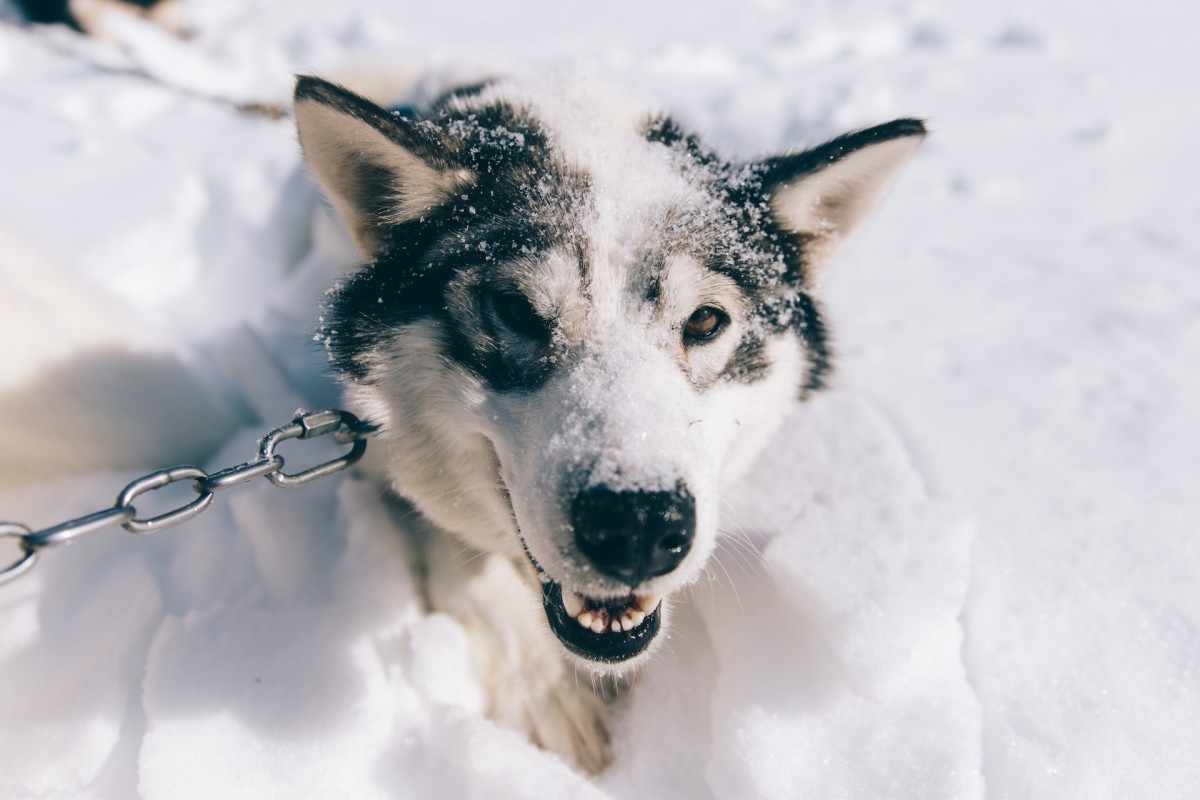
{"x": 574, "y": 324}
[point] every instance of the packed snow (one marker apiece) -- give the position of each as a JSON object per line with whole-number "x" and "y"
{"x": 967, "y": 570}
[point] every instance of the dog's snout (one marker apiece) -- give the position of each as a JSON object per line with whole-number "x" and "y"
{"x": 633, "y": 535}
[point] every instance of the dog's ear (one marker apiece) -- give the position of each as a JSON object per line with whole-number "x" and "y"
{"x": 377, "y": 168}
{"x": 820, "y": 195}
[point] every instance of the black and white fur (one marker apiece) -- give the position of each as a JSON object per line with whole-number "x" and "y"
{"x": 575, "y": 323}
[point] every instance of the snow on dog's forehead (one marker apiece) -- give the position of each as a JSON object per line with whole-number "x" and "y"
{"x": 634, "y": 186}
{"x": 601, "y": 133}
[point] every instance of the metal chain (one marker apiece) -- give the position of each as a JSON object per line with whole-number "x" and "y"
{"x": 344, "y": 426}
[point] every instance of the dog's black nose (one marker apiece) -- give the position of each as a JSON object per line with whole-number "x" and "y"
{"x": 633, "y": 535}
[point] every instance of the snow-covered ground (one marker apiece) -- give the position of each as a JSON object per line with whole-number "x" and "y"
{"x": 980, "y": 550}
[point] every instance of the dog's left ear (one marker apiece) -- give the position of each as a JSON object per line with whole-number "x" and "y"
{"x": 820, "y": 195}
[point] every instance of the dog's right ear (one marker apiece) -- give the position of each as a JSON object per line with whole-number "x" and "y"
{"x": 821, "y": 195}
{"x": 377, "y": 168}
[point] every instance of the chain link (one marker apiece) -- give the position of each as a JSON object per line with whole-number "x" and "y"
{"x": 344, "y": 427}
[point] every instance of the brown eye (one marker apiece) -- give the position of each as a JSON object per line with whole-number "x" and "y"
{"x": 704, "y": 323}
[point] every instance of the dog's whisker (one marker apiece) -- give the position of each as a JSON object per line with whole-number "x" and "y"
{"x": 378, "y": 322}
{"x": 459, "y": 491}
{"x": 460, "y": 562}
{"x": 716, "y": 562}
{"x": 746, "y": 559}
{"x": 739, "y": 538}
{"x": 709, "y": 585}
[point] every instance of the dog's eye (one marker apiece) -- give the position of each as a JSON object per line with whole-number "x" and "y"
{"x": 518, "y": 315}
{"x": 704, "y": 323}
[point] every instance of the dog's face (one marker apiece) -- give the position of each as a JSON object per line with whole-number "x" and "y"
{"x": 576, "y": 322}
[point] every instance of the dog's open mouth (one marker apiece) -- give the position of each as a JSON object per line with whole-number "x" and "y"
{"x": 608, "y": 631}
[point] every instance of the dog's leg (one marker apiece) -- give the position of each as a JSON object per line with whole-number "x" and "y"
{"x": 530, "y": 685}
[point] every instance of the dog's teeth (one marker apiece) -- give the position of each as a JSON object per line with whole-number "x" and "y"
{"x": 572, "y": 602}
{"x": 602, "y": 620}
{"x": 647, "y": 603}
{"x": 631, "y": 619}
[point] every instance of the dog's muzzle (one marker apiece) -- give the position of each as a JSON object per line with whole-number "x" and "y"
{"x": 631, "y": 536}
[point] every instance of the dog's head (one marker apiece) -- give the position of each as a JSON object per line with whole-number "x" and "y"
{"x": 576, "y": 321}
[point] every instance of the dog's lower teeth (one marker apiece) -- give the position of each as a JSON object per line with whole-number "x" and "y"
{"x": 602, "y": 620}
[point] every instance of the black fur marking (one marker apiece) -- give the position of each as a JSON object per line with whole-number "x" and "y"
{"x": 653, "y": 289}
{"x": 669, "y": 133}
{"x": 448, "y": 264}
{"x": 749, "y": 363}
{"x": 809, "y": 324}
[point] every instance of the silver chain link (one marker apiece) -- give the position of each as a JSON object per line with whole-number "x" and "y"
{"x": 343, "y": 425}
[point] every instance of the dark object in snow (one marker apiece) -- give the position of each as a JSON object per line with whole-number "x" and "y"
{"x": 48, "y": 12}
{"x": 85, "y": 17}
